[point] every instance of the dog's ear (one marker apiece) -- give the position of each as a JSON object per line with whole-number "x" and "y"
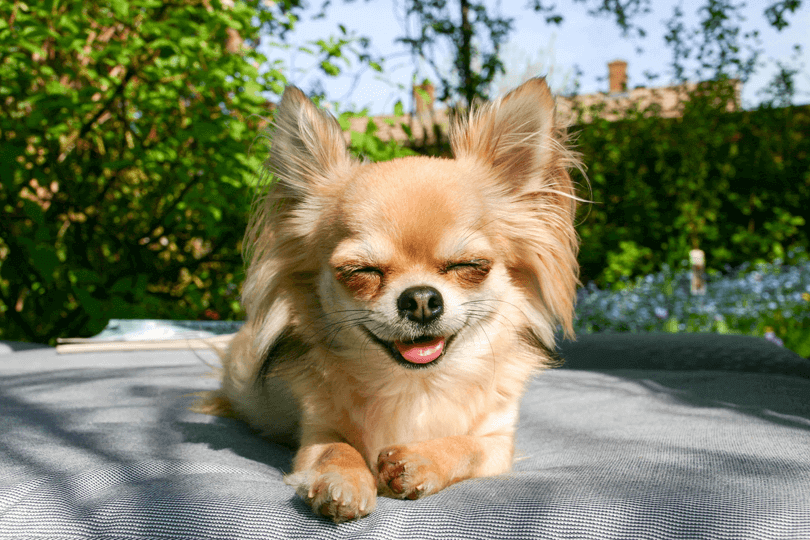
{"x": 307, "y": 149}
{"x": 517, "y": 140}
{"x": 514, "y": 135}
{"x": 308, "y": 158}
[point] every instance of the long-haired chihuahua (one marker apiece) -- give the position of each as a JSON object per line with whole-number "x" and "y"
{"x": 396, "y": 310}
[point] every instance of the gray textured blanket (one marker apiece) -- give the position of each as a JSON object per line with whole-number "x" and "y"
{"x": 638, "y": 437}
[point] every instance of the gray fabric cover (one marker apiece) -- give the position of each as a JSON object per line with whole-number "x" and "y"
{"x": 623, "y": 443}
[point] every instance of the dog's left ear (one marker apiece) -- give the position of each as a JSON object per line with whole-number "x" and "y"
{"x": 307, "y": 149}
{"x": 517, "y": 139}
{"x": 515, "y": 135}
{"x": 308, "y": 158}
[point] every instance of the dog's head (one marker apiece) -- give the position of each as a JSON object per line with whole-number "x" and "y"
{"x": 418, "y": 258}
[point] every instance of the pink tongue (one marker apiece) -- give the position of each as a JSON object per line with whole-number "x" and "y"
{"x": 421, "y": 353}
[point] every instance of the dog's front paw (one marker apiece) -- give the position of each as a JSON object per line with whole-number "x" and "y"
{"x": 339, "y": 494}
{"x": 406, "y": 474}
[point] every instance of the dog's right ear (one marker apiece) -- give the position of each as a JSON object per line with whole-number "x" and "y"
{"x": 307, "y": 148}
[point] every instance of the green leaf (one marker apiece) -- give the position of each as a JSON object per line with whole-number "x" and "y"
{"x": 56, "y": 88}
{"x": 120, "y": 7}
{"x": 43, "y": 258}
{"x": 90, "y": 305}
{"x": 330, "y": 69}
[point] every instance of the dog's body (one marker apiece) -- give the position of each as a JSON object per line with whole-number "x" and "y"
{"x": 396, "y": 310}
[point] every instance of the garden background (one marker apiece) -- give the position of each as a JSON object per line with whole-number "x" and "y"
{"x": 130, "y": 142}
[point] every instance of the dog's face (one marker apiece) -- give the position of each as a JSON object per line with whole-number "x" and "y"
{"x": 415, "y": 268}
{"x": 418, "y": 262}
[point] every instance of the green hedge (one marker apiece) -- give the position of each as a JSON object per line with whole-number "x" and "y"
{"x": 736, "y": 185}
{"x": 125, "y": 159}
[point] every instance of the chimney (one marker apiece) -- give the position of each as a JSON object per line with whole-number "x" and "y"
{"x": 617, "y": 71}
{"x": 423, "y": 96}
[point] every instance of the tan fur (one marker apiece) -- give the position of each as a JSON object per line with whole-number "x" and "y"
{"x": 333, "y": 244}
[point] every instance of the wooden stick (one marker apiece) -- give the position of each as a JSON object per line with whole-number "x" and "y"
{"x": 215, "y": 342}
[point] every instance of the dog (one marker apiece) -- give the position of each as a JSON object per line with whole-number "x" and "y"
{"x": 396, "y": 310}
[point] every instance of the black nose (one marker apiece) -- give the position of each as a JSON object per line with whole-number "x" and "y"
{"x": 420, "y": 304}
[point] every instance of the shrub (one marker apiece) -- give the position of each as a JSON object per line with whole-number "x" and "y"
{"x": 125, "y": 137}
{"x": 735, "y": 184}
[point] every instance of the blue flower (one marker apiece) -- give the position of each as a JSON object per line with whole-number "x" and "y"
{"x": 771, "y": 336}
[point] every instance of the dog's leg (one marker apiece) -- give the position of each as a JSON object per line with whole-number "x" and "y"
{"x": 334, "y": 480}
{"x": 415, "y": 470}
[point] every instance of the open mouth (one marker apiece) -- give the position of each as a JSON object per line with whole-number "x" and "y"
{"x": 421, "y": 352}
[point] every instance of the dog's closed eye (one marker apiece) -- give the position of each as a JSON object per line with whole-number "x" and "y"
{"x": 469, "y": 273}
{"x": 363, "y": 281}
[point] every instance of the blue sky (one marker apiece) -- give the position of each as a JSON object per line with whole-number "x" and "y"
{"x": 534, "y": 48}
